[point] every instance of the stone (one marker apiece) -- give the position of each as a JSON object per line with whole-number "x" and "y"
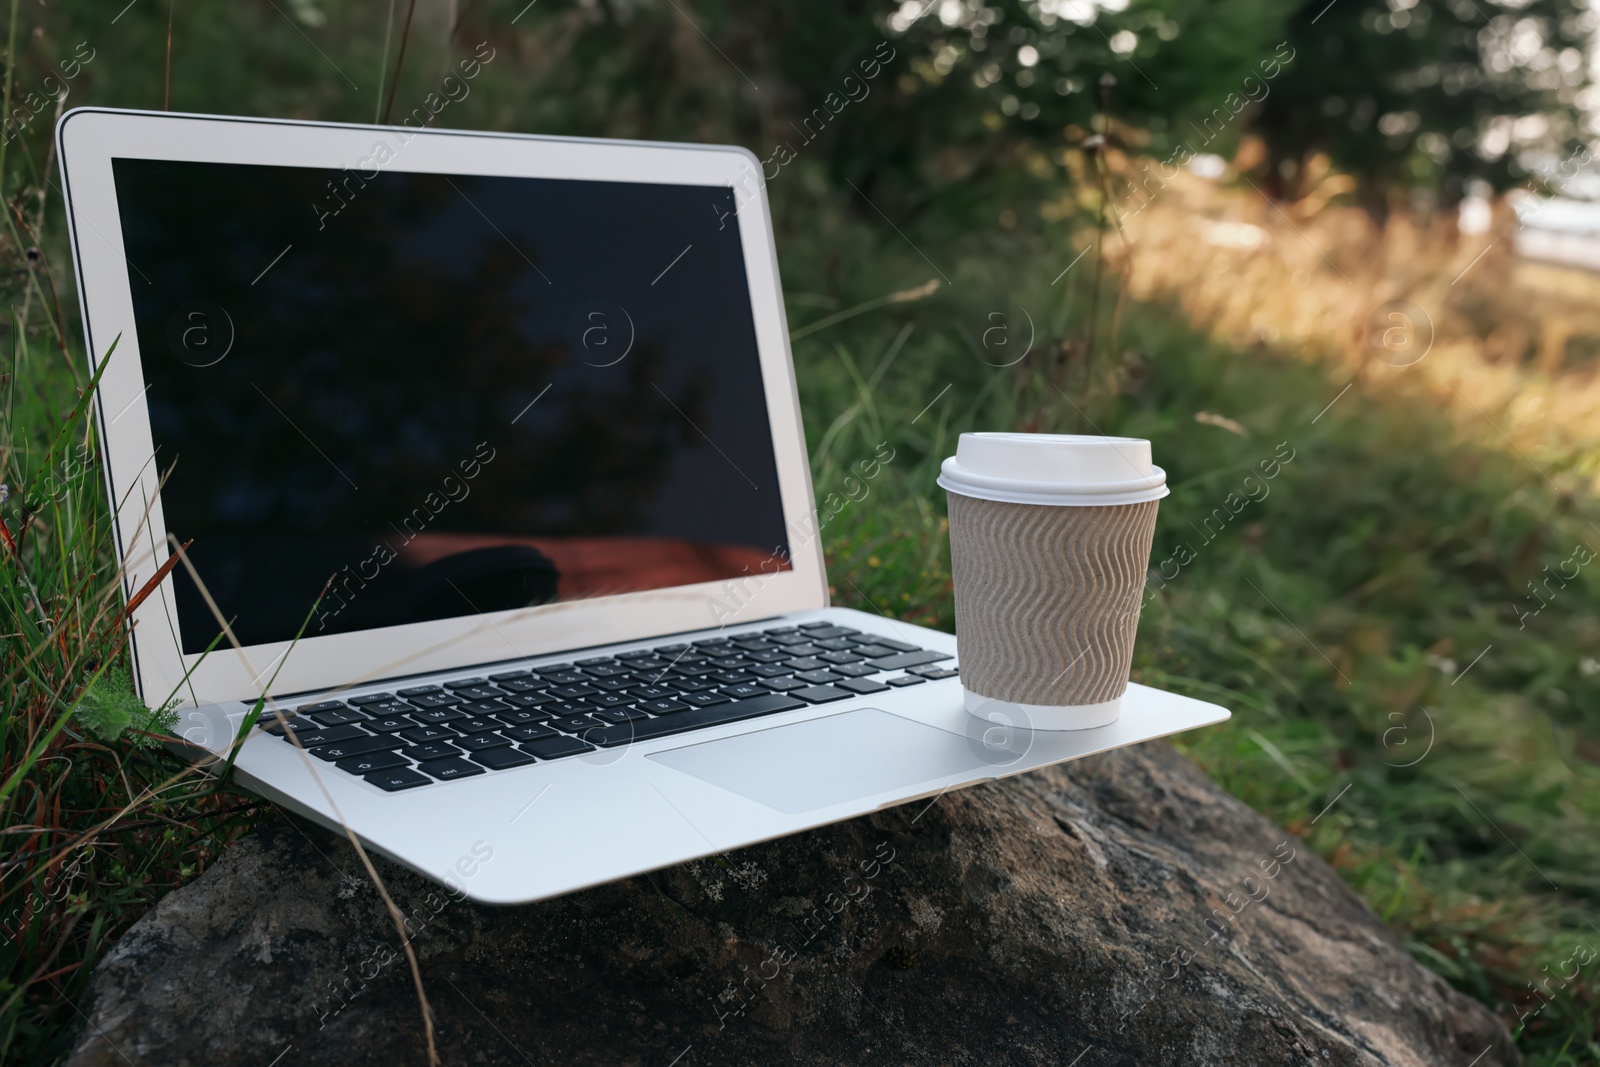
{"x": 1119, "y": 911}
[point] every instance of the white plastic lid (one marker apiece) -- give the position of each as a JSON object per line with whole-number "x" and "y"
{"x": 1048, "y": 468}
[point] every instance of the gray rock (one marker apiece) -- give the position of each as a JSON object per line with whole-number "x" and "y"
{"x": 1119, "y": 911}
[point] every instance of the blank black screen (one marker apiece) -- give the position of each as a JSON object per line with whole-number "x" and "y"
{"x": 443, "y": 394}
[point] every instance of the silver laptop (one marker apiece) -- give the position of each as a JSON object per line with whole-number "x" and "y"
{"x": 487, "y": 455}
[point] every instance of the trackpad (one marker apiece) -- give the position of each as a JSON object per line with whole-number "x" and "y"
{"x": 822, "y": 762}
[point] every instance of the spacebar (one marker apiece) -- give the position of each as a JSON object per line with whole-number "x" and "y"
{"x": 683, "y": 721}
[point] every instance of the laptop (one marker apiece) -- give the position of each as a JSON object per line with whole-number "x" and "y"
{"x": 499, "y": 547}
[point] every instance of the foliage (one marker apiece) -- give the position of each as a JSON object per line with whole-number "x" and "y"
{"x": 110, "y": 708}
{"x": 1428, "y": 93}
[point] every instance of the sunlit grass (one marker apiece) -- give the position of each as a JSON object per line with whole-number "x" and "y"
{"x": 1341, "y": 616}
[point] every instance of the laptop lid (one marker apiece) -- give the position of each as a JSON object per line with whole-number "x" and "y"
{"x": 432, "y": 399}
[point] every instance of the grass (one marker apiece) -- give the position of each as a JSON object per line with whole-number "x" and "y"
{"x": 97, "y": 823}
{"x": 1359, "y": 610}
{"x": 1358, "y": 613}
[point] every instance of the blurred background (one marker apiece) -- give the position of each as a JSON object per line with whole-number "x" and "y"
{"x": 1337, "y": 260}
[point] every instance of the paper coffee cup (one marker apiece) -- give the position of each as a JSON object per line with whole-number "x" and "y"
{"x": 1049, "y": 545}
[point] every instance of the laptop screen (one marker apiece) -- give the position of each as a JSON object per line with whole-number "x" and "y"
{"x": 425, "y": 396}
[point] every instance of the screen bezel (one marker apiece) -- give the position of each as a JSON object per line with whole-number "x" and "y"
{"x": 87, "y": 141}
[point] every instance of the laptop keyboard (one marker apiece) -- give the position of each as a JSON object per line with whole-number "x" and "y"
{"x": 469, "y": 726}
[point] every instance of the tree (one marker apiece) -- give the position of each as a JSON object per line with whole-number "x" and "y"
{"x": 1427, "y": 93}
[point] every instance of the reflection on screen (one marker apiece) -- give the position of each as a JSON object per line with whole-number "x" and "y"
{"x": 434, "y": 396}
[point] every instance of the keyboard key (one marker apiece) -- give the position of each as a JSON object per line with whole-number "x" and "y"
{"x": 605, "y": 670}
{"x": 268, "y": 711}
{"x": 448, "y": 770}
{"x": 770, "y": 671}
{"x": 706, "y": 700}
{"x": 663, "y": 707}
{"x": 340, "y": 716}
{"x": 520, "y": 717}
{"x": 361, "y": 746}
{"x": 776, "y": 630}
{"x": 528, "y": 733}
{"x": 775, "y": 656}
{"x": 754, "y": 645}
{"x": 390, "y": 706}
{"x": 499, "y": 759}
{"x": 300, "y": 727}
{"x": 520, "y": 685}
{"x": 808, "y": 626}
{"x": 730, "y": 663}
{"x": 477, "y": 692}
{"x": 904, "y": 680}
{"x": 435, "y": 700}
{"x": 420, "y": 690}
{"x": 805, "y": 663}
{"x": 396, "y": 779}
{"x": 331, "y": 735}
{"x": 555, "y": 748}
{"x": 827, "y": 633}
{"x": 326, "y": 705}
{"x": 609, "y": 700}
{"x": 934, "y": 676}
{"x": 732, "y": 677}
{"x": 653, "y": 692}
{"x": 569, "y": 708}
{"x": 690, "y": 670}
{"x": 841, "y": 657}
{"x": 485, "y": 707}
{"x": 617, "y": 684}
{"x": 861, "y": 685}
{"x": 693, "y": 719}
{"x": 835, "y": 644}
{"x": 929, "y": 672}
{"x": 509, "y": 676}
{"x": 479, "y": 725}
{"x": 482, "y": 742}
{"x": 819, "y": 694}
{"x": 907, "y": 659}
{"x": 529, "y": 700}
{"x": 615, "y": 715}
{"x": 435, "y": 716}
{"x": 421, "y": 735}
{"x": 574, "y": 724}
{"x": 433, "y": 751}
{"x": 818, "y": 677}
{"x": 574, "y": 692}
{"x": 898, "y": 646}
{"x": 794, "y": 637}
{"x": 782, "y": 684}
{"x": 744, "y": 691}
{"x": 389, "y": 724}
{"x": 464, "y": 683}
{"x": 370, "y": 698}
{"x": 376, "y": 761}
{"x": 854, "y": 670}
{"x": 567, "y": 677}
{"x": 877, "y": 649}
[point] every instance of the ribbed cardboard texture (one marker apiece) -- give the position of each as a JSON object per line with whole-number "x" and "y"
{"x": 1048, "y": 597}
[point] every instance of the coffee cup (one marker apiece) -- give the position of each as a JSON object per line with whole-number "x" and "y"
{"x": 1049, "y": 546}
